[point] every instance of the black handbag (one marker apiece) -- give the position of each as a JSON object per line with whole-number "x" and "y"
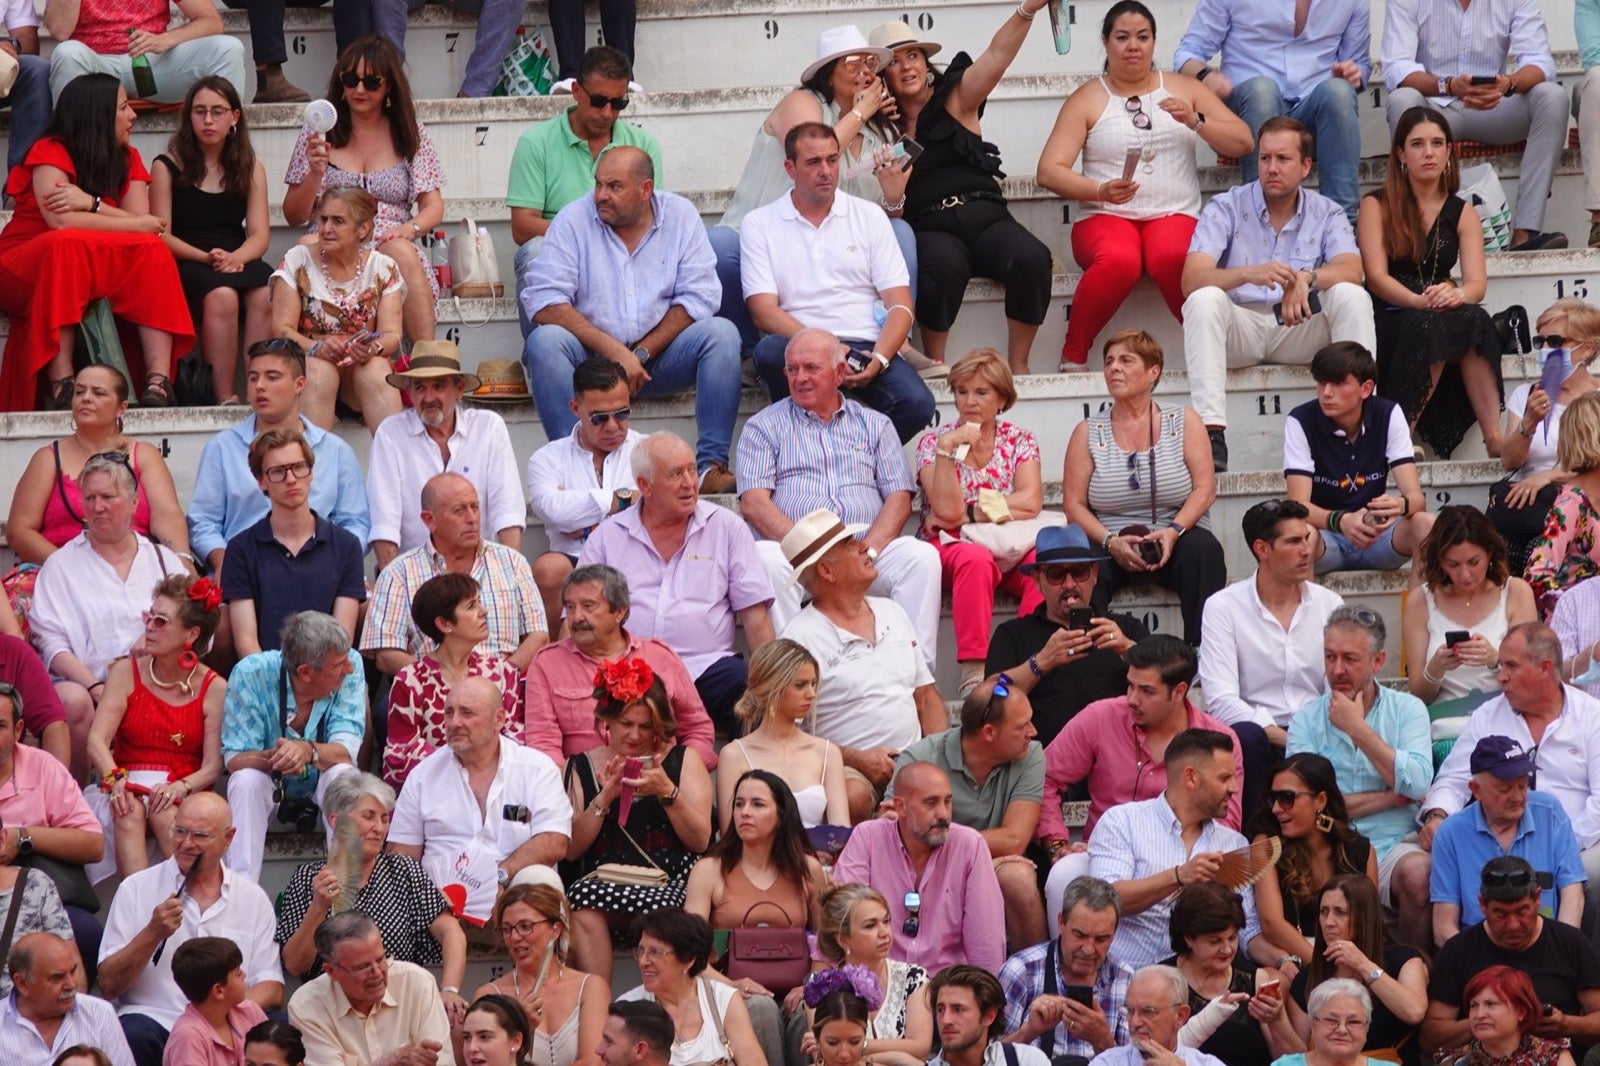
{"x": 1520, "y": 523}
{"x": 192, "y": 385}
{"x": 71, "y": 882}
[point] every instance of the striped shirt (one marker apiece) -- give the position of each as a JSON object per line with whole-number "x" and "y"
{"x": 1023, "y": 979}
{"x": 507, "y": 593}
{"x": 1122, "y": 484}
{"x": 849, "y": 463}
{"x": 91, "y": 1021}
{"x": 1437, "y": 37}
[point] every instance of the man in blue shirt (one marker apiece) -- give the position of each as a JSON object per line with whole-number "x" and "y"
{"x": 1508, "y": 819}
{"x": 1273, "y": 274}
{"x": 629, "y": 274}
{"x": 1310, "y": 67}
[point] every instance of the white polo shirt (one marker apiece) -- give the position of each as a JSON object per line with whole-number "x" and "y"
{"x": 826, "y": 276}
{"x": 866, "y": 698}
{"x": 242, "y": 914}
{"x": 462, "y": 845}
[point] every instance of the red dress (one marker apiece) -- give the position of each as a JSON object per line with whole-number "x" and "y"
{"x": 48, "y": 276}
{"x": 156, "y": 735}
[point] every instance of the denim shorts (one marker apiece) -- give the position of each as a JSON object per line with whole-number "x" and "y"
{"x": 1339, "y": 553}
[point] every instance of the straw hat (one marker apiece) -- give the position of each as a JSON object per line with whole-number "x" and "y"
{"x": 433, "y": 359}
{"x": 502, "y": 382}
{"x": 811, "y": 538}
{"x": 892, "y": 35}
{"x": 838, "y": 42}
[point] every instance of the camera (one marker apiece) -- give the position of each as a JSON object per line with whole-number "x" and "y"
{"x": 296, "y": 811}
{"x": 1150, "y": 552}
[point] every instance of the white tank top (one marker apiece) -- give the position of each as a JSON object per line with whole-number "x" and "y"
{"x": 1464, "y": 679}
{"x": 1169, "y": 182}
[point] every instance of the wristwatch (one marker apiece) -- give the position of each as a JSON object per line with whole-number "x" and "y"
{"x": 1298, "y": 962}
{"x": 624, "y": 499}
{"x": 24, "y": 842}
{"x": 500, "y": 876}
{"x": 670, "y": 798}
{"x": 1373, "y": 976}
{"x": 641, "y": 353}
{"x": 1444, "y": 85}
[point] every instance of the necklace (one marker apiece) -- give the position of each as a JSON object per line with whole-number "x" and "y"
{"x": 184, "y": 685}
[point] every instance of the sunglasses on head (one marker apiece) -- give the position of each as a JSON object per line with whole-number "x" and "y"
{"x": 1517, "y": 879}
{"x": 370, "y": 82}
{"x": 600, "y": 418}
{"x": 913, "y": 923}
{"x": 600, "y": 103}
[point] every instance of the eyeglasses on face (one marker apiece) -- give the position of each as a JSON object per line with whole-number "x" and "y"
{"x": 1135, "y": 106}
{"x": 1354, "y": 1025}
{"x": 1286, "y": 797}
{"x": 199, "y": 836}
{"x": 370, "y": 82}
{"x": 653, "y": 954}
{"x": 600, "y": 103}
{"x": 377, "y": 965}
{"x": 1056, "y": 573}
{"x": 277, "y": 474}
{"x": 600, "y": 418}
{"x": 1146, "y": 1013}
{"x": 522, "y": 928}
{"x": 216, "y": 114}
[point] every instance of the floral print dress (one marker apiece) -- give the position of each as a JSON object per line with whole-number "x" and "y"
{"x": 339, "y": 307}
{"x": 1565, "y": 553}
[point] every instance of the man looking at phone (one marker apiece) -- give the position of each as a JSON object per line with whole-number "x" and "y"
{"x": 859, "y": 270}
{"x": 1065, "y": 996}
{"x": 1379, "y": 742}
{"x": 1561, "y": 961}
{"x": 1273, "y": 274}
{"x": 1061, "y": 656}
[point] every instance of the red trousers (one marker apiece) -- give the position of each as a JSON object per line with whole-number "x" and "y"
{"x": 1114, "y": 252}
{"x": 971, "y": 576}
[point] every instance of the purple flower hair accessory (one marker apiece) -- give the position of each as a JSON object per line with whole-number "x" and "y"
{"x": 858, "y": 980}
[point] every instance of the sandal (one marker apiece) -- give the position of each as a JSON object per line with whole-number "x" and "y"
{"x": 157, "y": 391}
{"x": 61, "y": 394}
{"x": 1594, "y": 235}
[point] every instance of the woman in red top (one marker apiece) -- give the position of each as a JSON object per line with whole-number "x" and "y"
{"x": 82, "y": 231}
{"x": 158, "y": 727}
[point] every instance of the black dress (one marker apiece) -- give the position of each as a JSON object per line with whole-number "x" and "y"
{"x": 1411, "y": 341}
{"x": 1349, "y": 858}
{"x": 1385, "y": 1030}
{"x": 210, "y": 220}
{"x": 1239, "y": 1040}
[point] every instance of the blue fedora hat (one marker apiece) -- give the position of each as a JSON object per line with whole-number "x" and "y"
{"x": 1062, "y": 544}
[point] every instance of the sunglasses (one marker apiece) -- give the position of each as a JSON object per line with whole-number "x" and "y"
{"x": 276, "y": 346}
{"x": 913, "y": 923}
{"x": 600, "y": 103}
{"x": 1286, "y": 797}
{"x": 370, "y": 82}
{"x": 1553, "y": 340}
{"x": 158, "y": 622}
{"x": 1510, "y": 878}
{"x": 1056, "y": 573}
{"x": 600, "y": 418}
{"x": 1135, "y": 106}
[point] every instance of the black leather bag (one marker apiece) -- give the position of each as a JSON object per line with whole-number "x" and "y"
{"x": 192, "y": 386}
{"x": 70, "y": 880}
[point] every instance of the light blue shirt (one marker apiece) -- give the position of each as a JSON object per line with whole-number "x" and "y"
{"x": 1464, "y": 843}
{"x": 1256, "y": 39}
{"x": 1586, "y": 23}
{"x": 1128, "y": 1055}
{"x": 227, "y": 499}
{"x": 1402, "y": 721}
{"x": 626, "y": 294}
{"x": 1437, "y": 37}
{"x": 1235, "y": 231}
{"x": 252, "y": 717}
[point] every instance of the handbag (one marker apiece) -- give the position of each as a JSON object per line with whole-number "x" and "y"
{"x": 97, "y": 334}
{"x": 192, "y": 385}
{"x": 1526, "y": 522}
{"x": 776, "y": 957}
{"x": 622, "y": 873}
{"x": 70, "y": 879}
{"x": 474, "y": 271}
{"x": 1009, "y": 542}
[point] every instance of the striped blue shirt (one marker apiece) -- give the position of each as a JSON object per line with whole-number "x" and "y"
{"x": 849, "y": 463}
{"x": 1437, "y": 37}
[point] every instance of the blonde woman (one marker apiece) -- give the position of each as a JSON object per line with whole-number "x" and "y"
{"x": 856, "y": 931}
{"x": 778, "y": 696}
{"x": 1569, "y": 549}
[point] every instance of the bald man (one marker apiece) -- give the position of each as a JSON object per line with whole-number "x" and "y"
{"x": 629, "y": 274}
{"x": 49, "y": 1014}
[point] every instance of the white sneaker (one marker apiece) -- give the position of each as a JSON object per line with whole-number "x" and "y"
{"x": 563, "y": 87}
{"x": 924, "y": 366}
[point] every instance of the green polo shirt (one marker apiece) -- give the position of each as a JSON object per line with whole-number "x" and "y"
{"x": 980, "y": 808}
{"x": 551, "y": 166}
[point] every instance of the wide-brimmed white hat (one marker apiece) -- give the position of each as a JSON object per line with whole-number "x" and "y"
{"x": 841, "y": 41}
{"x": 811, "y": 538}
{"x": 892, "y": 35}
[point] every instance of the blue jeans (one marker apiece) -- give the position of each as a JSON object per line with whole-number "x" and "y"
{"x": 897, "y": 392}
{"x": 30, "y": 107}
{"x": 496, "y": 32}
{"x": 1341, "y": 554}
{"x": 705, "y": 356}
{"x": 1329, "y": 113}
{"x": 527, "y": 252}
{"x": 725, "y": 242}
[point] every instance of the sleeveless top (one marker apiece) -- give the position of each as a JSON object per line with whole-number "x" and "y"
{"x": 812, "y": 800}
{"x": 1172, "y": 184}
{"x": 764, "y": 179}
{"x": 63, "y": 510}
{"x": 1464, "y": 679}
{"x": 706, "y": 1046}
{"x": 1120, "y": 484}
{"x": 741, "y": 898}
{"x": 954, "y": 159}
{"x": 156, "y": 735}
{"x": 559, "y": 1048}
{"x": 889, "y": 1021}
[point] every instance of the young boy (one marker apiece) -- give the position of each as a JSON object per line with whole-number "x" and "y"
{"x": 211, "y": 1029}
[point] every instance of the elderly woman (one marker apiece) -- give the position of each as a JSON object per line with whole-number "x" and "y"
{"x": 1503, "y": 1011}
{"x": 1350, "y": 944}
{"x": 1306, "y": 809}
{"x": 1518, "y": 503}
{"x": 1142, "y": 224}
{"x": 449, "y": 611}
{"x": 92, "y": 593}
{"x": 377, "y": 145}
{"x": 1467, "y": 588}
{"x": 414, "y": 918}
{"x": 961, "y": 467}
{"x": 157, "y": 733}
{"x": 708, "y": 1016}
{"x": 1139, "y": 480}
{"x": 341, "y": 301}
{"x": 1206, "y": 921}
{"x": 565, "y": 1007}
{"x": 1568, "y": 551}
{"x": 1341, "y": 1012}
{"x": 642, "y": 799}
{"x": 856, "y": 931}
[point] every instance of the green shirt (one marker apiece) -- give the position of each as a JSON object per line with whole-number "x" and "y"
{"x": 551, "y": 166}
{"x": 980, "y": 808}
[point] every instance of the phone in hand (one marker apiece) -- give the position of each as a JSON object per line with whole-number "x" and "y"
{"x": 631, "y": 767}
{"x": 1312, "y": 300}
{"x": 1130, "y": 163}
{"x": 1083, "y": 994}
{"x": 1483, "y": 79}
{"x": 857, "y": 360}
{"x": 1150, "y": 552}
{"x": 1080, "y": 618}
{"x": 1456, "y": 636}
{"x": 1270, "y": 990}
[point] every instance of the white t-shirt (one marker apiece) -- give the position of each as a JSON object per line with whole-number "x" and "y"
{"x": 866, "y": 698}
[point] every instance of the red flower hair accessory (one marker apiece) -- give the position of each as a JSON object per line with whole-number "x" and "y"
{"x": 206, "y": 593}
{"x": 623, "y": 681}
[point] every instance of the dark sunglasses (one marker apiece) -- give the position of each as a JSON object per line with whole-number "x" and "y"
{"x": 370, "y": 82}
{"x": 121, "y": 459}
{"x": 276, "y": 346}
{"x": 1056, "y": 573}
{"x": 1286, "y": 797}
{"x": 600, "y": 103}
{"x": 1135, "y": 106}
{"x": 1553, "y": 340}
{"x": 600, "y": 418}
{"x": 1509, "y": 878}
{"x": 913, "y": 923}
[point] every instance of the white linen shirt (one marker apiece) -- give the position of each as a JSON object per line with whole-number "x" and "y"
{"x": 1566, "y": 762}
{"x": 91, "y": 1021}
{"x": 867, "y": 695}
{"x": 81, "y": 606}
{"x": 1437, "y": 37}
{"x": 404, "y": 457}
{"x": 994, "y": 1054}
{"x": 1576, "y": 621}
{"x": 1144, "y": 838}
{"x": 566, "y": 494}
{"x": 1251, "y": 668}
{"x": 829, "y": 276}
{"x": 243, "y": 914}
{"x": 451, "y": 829}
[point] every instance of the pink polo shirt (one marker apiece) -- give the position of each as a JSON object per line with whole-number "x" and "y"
{"x": 41, "y": 792}
{"x": 1102, "y": 743}
{"x": 194, "y": 1043}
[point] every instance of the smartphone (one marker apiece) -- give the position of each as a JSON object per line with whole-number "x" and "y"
{"x": 1313, "y": 301}
{"x": 1456, "y": 636}
{"x": 1271, "y": 990}
{"x": 1130, "y": 163}
{"x": 905, "y": 150}
{"x": 1080, "y": 994}
{"x": 1080, "y": 618}
{"x": 1483, "y": 79}
{"x": 856, "y": 360}
{"x": 1549, "y": 1009}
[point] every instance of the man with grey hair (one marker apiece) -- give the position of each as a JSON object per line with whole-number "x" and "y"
{"x": 366, "y": 1007}
{"x": 558, "y": 705}
{"x": 46, "y": 1013}
{"x": 292, "y": 722}
{"x": 693, "y": 572}
{"x": 1038, "y": 1010}
{"x": 1381, "y": 747}
{"x": 1560, "y": 724}
{"x": 1157, "y": 1007}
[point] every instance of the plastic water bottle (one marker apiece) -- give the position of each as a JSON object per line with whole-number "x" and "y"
{"x": 441, "y": 262}
{"x": 144, "y": 79}
{"x": 1060, "y": 26}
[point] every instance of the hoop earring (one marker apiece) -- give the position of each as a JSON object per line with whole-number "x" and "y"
{"x": 1325, "y": 822}
{"x": 188, "y": 660}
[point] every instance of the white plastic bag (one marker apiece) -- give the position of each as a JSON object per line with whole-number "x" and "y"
{"x": 1480, "y": 187}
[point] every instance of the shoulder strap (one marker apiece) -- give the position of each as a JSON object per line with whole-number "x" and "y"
{"x": 1052, "y": 987}
{"x": 1010, "y": 1052}
{"x": 161, "y": 560}
{"x": 61, "y": 483}
{"x": 16, "y": 909}
{"x": 711, "y": 1008}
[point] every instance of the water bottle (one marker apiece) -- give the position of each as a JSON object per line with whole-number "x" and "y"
{"x": 144, "y": 79}
{"x": 1060, "y": 26}
{"x": 441, "y": 262}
